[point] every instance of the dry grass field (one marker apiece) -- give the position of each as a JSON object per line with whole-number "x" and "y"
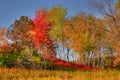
{"x": 24, "y": 74}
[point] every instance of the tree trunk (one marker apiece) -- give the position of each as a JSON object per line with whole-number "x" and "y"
{"x": 68, "y": 50}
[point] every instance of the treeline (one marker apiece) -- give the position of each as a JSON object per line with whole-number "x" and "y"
{"x": 83, "y": 39}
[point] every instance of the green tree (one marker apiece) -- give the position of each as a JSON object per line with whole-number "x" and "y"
{"x": 56, "y": 15}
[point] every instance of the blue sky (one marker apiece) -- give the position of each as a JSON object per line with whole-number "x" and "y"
{"x": 10, "y": 10}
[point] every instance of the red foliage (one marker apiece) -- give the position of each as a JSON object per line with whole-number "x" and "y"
{"x": 70, "y": 65}
{"x": 40, "y": 29}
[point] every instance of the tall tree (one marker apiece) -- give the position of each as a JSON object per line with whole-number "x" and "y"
{"x": 39, "y": 33}
{"x": 56, "y": 15}
{"x": 83, "y": 34}
{"x": 18, "y": 32}
{"x": 110, "y": 10}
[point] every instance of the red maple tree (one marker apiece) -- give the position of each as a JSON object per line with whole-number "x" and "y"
{"x": 40, "y": 29}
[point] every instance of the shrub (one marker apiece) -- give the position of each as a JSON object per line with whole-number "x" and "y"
{"x": 9, "y": 59}
{"x": 108, "y": 64}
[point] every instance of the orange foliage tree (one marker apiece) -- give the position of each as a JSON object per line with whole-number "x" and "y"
{"x": 111, "y": 13}
{"x": 84, "y": 35}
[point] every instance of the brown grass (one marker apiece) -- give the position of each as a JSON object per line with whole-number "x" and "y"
{"x": 24, "y": 74}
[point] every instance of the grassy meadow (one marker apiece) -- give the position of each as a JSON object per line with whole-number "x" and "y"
{"x": 25, "y": 74}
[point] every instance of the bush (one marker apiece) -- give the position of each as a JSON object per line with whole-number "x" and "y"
{"x": 25, "y": 58}
{"x": 108, "y": 64}
{"x": 9, "y": 60}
